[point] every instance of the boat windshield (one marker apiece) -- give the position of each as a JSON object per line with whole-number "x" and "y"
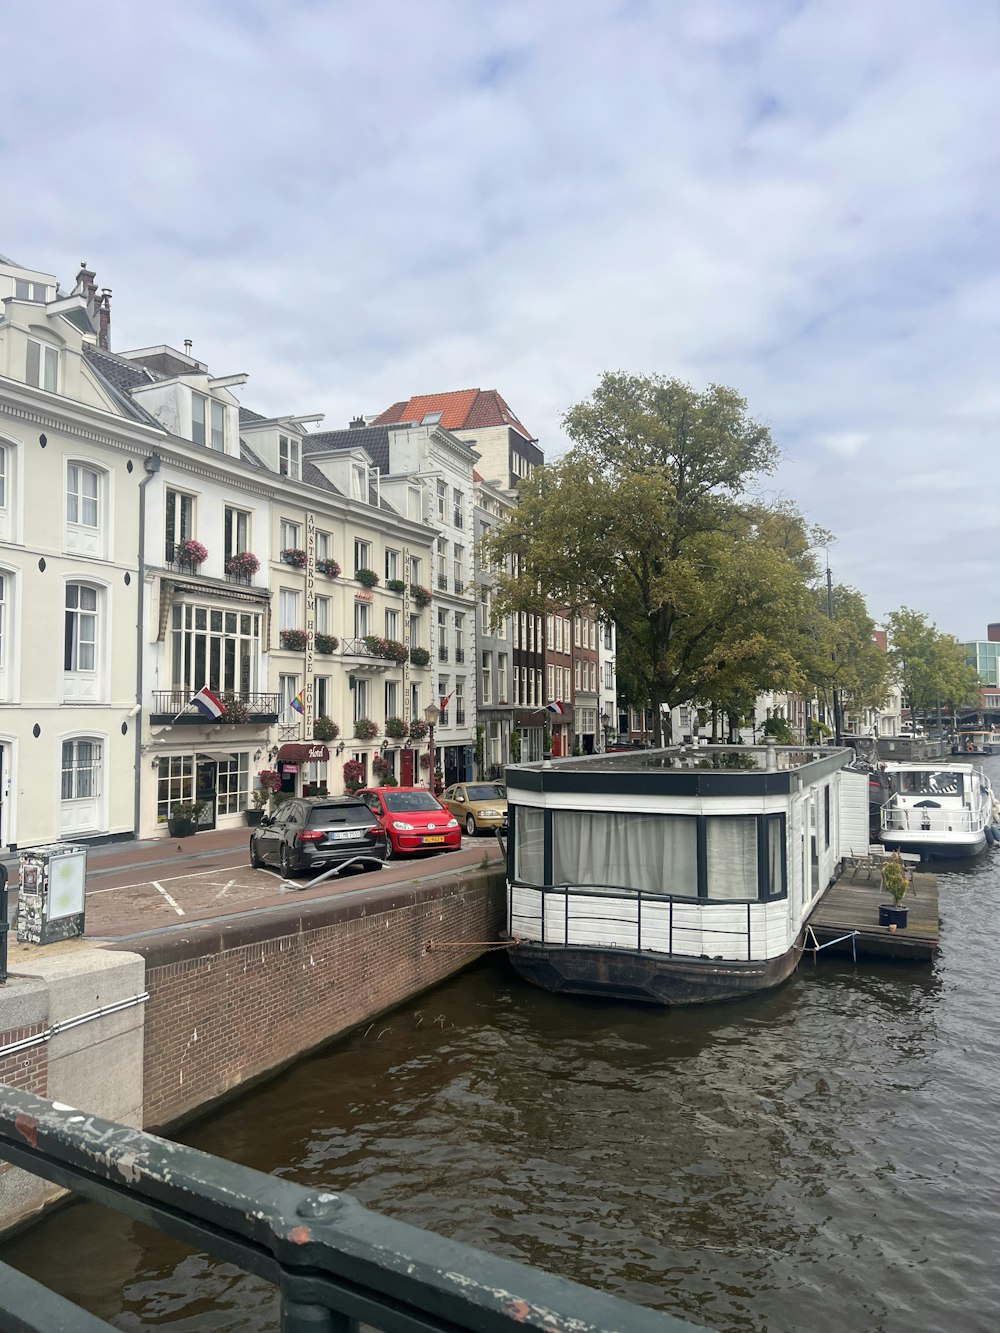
{"x": 930, "y": 782}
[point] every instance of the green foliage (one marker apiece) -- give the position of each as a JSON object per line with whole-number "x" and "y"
{"x": 515, "y": 747}
{"x": 325, "y": 729}
{"x": 894, "y": 878}
{"x": 480, "y": 744}
{"x": 779, "y": 730}
{"x": 707, "y": 588}
{"x": 928, "y": 666}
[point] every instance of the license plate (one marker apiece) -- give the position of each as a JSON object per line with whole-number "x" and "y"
{"x": 347, "y": 833}
{"x": 435, "y": 838}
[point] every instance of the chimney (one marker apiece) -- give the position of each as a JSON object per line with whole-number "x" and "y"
{"x": 187, "y": 346}
{"x": 104, "y": 320}
{"x": 87, "y": 288}
{"x": 358, "y": 423}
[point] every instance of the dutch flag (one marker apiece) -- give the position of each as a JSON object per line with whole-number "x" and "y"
{"x": 557, "y": 706}
{"x": 208, "y": 703}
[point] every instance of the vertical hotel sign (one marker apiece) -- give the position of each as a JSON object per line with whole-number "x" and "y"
{"x": 309, "y": 693}
{"x": 406, "y": 637}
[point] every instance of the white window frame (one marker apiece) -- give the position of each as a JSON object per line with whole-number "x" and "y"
{"x": 233, "y": 784}
{"x": 361, "y": 698}
{"x": 290, "y": 457}
{"x": 323, "y": 614}
{"x": 289, "y": 535}
{"x": 208, "y": 422}
{"x": 362, "y": 554}
{"x": 391, "y": 564}
{"x": 362, "y": 619}
{"x": 289, "y": 603}
{"x": 288, "y": 689}
{"x": 236, "y": 528}
{"x": 393, "y": 624}
{"x": 45, "y": 372}
{"x": 179, "y": 525}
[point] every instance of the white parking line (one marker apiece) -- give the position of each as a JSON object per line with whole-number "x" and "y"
{"x": 197, "y": 874}
{"x": 172, "y": 901}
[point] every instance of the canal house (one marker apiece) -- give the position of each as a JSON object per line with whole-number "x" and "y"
{"x": 675, "y": 876}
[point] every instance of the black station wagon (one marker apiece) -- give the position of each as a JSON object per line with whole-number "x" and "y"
{"x": 317, "y": 832}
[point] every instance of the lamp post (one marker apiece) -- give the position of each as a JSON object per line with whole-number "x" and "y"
{"x": 432, "y": 715}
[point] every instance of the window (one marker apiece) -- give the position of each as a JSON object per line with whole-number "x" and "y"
{"x": 362, "y": 698}
{"x": 179, "y": 522}
{"x": 82, "y": 496}
{"x": 484, "y": 611}
{"x": 288, "y": 609}
{"x": 576, "y": 673}
{"x": 393, "y": 621}
{"x": 359, "y": 488}
{"x": 550, "y": 680}
{"x": 459, "y": 566}
{"x": 415, "y": 571}
{"x": 81, "y": 770}
{"x": 362, "y": 619}
{"x": 459, "y": 637}
{"x": 549, "y": 632}
{"x": 442, "y": 563}
{"x": 460, "y": 700}
{"x": 324, "y": 546}
{"x": 529, "y": 844}
{"x": 442, "y": 699}
{"x": 4, "y": 585}
{"x": 576, "y": 630}
{"x": 288, "y": 688}
{"x": 458, "y": 507}
{"x": 442, "y": 500}
{"x": 442, "y": 628}
{"x": 415, "y": 631}
{"x": 5, "y": 481}
{"x": 392, "y": 698}
{"x": 80, "y": 637}
{"x": 42, "y": 366}
{"x": 362, "y": 555}
{"x": 486, "y": 691}
{"x": 176, "y": 783}
{"x": 322, "y": 614}
{"x": 237, "y": 525}
{"x": 289, "y": 456}
{"x": 731, "y": 850}
{"x": 233, "y": 786}
{"x": 321, "y": 695}
{"x": 30, "y": 291}
{"x": 213, "y": 647}
{"x": 625, "y": 850}
{"x": 609, "y": 682}
{"x": 392, "y": 564}
{"x": 415, "y": 701}
{"x": 289, "y": 535}
{"x": 208, "y": 422}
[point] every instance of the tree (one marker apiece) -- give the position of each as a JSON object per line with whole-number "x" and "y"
{"x": 647, "y": 521}
{"x": 929, "y": 667}
{"x": 839, "y": 650}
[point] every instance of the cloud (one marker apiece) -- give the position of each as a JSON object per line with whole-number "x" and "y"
{"x": 356, "y": 204}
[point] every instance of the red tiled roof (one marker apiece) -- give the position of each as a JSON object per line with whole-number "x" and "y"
{"x": 461, "y": 409}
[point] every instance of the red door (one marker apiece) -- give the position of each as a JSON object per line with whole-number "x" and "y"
{"x": 406, "y": 768}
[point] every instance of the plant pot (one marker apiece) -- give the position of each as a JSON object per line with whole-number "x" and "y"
{"x": 253, "y": 817}
{"x": 891, "y": 915}
{"x": 181, "y": 828}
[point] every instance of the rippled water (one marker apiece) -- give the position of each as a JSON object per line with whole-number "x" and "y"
{"x": 824, "y": 1157}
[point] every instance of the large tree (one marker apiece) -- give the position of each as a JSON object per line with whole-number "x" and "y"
{"x": 839, "y": 651}
{"x": 929, "y": 667}
{"x": 649, "y": 520}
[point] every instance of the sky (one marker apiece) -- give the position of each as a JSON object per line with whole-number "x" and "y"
{"x": 354, "y": 204}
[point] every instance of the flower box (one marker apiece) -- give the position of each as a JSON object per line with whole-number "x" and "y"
{"x": 421, "y": 596}
{"x": 395, "y": 585}
{"x": 190, "y": 553}
{"x": 293, "y": 639}
{"x": 396, "y": 729}
{"x": 295, "y": 556}
{"x": 326, "y": 643}
{"x": 245, "y": 564}
{"x": 420, "y": 656}
{"x": 392, "y": 649}
{"x": 328, "y": 567}
{"x": 418, "y": 729}
{"x": 367, "y": 577}
{"x": 325, "y": 729}
{"x": 365, "y": 729}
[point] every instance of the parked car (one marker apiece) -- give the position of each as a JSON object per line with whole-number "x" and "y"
{"x": 316, "y": 832}
{"x": 477, "y": 805}
{"x": 414, "y": 820}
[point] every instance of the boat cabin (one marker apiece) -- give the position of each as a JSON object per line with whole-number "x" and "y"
{"x": 675, "y": 875}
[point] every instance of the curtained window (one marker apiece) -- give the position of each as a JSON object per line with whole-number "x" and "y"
{"x": 529, "y": 844}
{"x": 775, "y": 859}
{"x": 731, "y": 851}
{"x": 654, "y": 853}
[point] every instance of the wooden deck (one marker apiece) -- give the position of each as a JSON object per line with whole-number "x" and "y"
{"x": 852, "y": 905}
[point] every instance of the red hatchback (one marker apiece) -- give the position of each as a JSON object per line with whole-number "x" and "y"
{"x": 414, "y": 820}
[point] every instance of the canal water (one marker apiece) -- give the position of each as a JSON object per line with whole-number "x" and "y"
{"x": 824, "y": 1157}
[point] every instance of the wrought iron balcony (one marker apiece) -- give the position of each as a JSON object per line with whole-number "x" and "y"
{"x": 242, "y": 707}
{"x": 459, "y": 717}
{"x": 443, "y": 653}
{"x": 443, "y": 581}
{"x": 459, "y": 585}
{"x": 459, "y": 654}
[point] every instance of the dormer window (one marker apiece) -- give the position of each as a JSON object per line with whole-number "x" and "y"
{"x": 290, "y": 457}
{"x": 208, "y": 422}
{"x": 358, "y": 481}
{"x": 42, "y": 366}
{"x": 30, "y": 291}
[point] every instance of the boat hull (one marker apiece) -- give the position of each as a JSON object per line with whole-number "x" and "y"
{"x": 646, "y": 977}
{"x": 938, "y": 851}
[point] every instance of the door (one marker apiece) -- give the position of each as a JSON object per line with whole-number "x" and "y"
{"x": 406, "y": 768}
{"x": 3, "y": 788}
{"x": 206, "y": 777}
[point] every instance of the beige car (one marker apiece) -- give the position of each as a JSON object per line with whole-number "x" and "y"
{"x": 477, "y": 806}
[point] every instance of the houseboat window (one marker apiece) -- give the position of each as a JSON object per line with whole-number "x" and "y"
{"x": 775, "y": 857}
{"x": 654, "y": 853}
{"x": 731, "y": 850}
{"x": 529, "y": 844}
{"x": 826, "y": 816}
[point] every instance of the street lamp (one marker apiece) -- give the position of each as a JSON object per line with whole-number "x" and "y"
{"x": 432, "y": 716}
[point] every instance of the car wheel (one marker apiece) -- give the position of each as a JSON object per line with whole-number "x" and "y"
{"x": 287, "y": 869}
{"x": 255, "y": 861}
{"x": 390, "y": 851}
{"x": 470, "y": 825}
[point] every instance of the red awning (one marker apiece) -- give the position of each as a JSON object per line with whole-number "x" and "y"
{"x": 303, "y": 752}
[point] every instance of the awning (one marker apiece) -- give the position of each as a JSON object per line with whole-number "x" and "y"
{"x": 214, "y": 758}
{"x": 303, "y": 752}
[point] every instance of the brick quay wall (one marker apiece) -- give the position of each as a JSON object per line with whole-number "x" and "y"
{"x": 235, "y": 999}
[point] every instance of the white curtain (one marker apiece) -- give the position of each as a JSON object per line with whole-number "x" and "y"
{"x": 654, "y": 853}
{"x": 529, "y": 844}
{"x": 731, "y": 845}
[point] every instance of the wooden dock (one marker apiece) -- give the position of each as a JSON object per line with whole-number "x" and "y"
{"x": 852, "y": 905}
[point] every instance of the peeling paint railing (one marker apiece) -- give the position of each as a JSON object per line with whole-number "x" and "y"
{"x": 334, "y": 1262}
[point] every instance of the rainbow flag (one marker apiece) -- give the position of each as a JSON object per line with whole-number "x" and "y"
{"x": 297, "y": 702}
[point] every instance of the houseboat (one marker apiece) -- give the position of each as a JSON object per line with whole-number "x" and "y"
{"x": 976, "y": 742}
{"x": 675, "y": 876}
{"x": 938, "y": 811}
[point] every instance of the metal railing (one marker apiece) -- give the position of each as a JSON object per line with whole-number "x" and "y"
{"x": 565, "y": 896}
{"x": 246, "y": 706}
{"x": 459, "y": 717}
{"x": 927, "y": 819}
{"x": 334, "y": 1262}
{"x": 442, "y": 581}
{"x": 459, "y": 654}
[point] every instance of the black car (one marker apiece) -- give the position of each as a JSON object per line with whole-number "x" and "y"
{"x": 316, "y": 832}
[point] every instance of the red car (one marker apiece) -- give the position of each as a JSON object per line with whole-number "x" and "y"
{"x": 414, "y": 820}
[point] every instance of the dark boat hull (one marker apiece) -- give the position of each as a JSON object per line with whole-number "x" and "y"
{"x": 647, "y": 978}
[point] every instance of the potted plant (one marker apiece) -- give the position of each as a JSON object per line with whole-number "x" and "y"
{"x": 365, "y": 729}
{"x": 293, "y": 639}
{"x": 325, "y": 729}
{"x": 328, "y": 567}
{"x": 237, "y": 709}
{"x": 418, "y": 729}
{"x": 396, "y": 729}
{"x": 395, "y": 585}
{"x": 382, "y": 769}
{"x": 182, "y": 820}
{"x": 255, "y": 813}
{"x": 294, "y": 556}
{"x": 421, "y": 596}
{"x": 420, "y": 657}
{"x": 354, "y": 775}
{"x": 190, "y": 553}
{"x": 244, "y": 565}
{"x": 367, "y": 577}
{"x": 895, "y": 883}
{"x": 326, "y": 643}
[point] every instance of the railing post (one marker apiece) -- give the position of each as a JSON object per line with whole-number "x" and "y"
{"x": 749, "y": 950}
{"x": 670, "y": 929}
{"x": 638, "y": 921}
{"x": 566, "y": 914}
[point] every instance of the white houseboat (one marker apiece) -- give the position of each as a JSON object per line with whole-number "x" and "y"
{"x": 940, "y": 812}
{"x": 675, "y": 876}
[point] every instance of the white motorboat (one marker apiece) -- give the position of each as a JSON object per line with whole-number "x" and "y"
{"x": 938, "y": 811}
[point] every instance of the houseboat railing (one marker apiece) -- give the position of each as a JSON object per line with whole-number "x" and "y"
{"x": 927, "y": 819}
{"x": 741, "y": 939}
{"x": 334, "y": 1262}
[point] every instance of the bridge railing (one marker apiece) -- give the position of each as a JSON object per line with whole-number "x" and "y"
{"x": 334, "y": 1262}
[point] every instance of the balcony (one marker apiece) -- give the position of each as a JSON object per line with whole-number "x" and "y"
{"x": 459, "y": 584}
{"x": 459, "y": 654}
{"x": 443, "y": 653}
{"x": 442, "y": 581}
{"x": 458, "y": 520}
{"x": 459, "y": 717}
{"x": 244, "y": 707}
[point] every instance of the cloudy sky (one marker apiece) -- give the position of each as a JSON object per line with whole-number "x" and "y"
{"x": 358, "y": 203}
